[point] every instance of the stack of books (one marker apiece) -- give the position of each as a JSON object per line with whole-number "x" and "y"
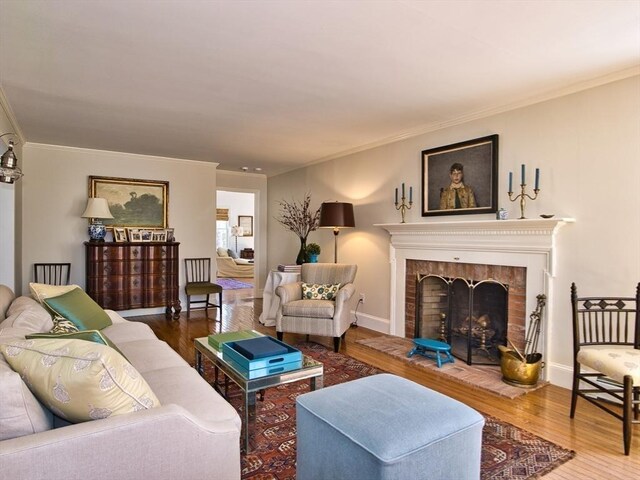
{"x": 289, "y": 268}
{"x": 216, "y": 340}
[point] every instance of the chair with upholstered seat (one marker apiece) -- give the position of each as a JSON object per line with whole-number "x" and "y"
{"x": 315, "y": 306}
{"x": 606, "y": 341}
{"x": 52, "y": 273}
{"x": 198, "y": 278}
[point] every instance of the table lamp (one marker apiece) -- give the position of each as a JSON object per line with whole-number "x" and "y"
{"x": 97, "y": 209}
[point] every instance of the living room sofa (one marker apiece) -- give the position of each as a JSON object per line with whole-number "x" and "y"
{"x": 193, "y": 434}
{"x": 231, "y": 267}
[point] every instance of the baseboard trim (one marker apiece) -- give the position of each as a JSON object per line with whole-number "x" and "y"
{"x": 382, "y": 325}
{"x": 560, "y": 375}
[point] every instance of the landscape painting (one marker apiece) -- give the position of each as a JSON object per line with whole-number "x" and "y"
{"x": 133, "y": 202}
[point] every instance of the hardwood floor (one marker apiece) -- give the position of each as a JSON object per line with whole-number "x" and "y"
{"x": 595, "y": 436}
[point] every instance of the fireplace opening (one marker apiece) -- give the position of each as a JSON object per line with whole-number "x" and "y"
{"x": 470, "y": 315}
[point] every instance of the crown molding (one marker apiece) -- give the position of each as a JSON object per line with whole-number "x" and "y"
{"x": 483, "y": 113}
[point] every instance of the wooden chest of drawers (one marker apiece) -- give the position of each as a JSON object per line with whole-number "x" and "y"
{"x": 122, "y": 276}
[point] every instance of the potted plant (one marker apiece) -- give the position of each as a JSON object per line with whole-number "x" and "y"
{"x": 313, "y": 250}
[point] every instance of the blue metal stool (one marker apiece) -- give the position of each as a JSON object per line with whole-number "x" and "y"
{"x": 432, "y": 349}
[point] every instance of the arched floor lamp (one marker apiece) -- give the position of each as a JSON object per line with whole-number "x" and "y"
{"x": 336, "y": 215}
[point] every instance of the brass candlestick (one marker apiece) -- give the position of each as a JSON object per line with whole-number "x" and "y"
{"x": 403, "y": 206}
{"x": 523, "y": 198}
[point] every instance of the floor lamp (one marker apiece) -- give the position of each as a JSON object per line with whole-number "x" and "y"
{"x": 237, "y": 232}
{"x": 336, "y": 215}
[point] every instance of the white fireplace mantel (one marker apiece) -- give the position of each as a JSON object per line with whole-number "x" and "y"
{"x": 529, "y": 243}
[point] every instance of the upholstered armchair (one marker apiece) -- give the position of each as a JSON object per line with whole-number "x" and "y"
{"x": 305, "y": 314}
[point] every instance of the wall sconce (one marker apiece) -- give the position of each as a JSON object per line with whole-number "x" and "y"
{"x": 97, "y": 209}
{"x": 336, "y": 215}
{"x": 9, "y": 171}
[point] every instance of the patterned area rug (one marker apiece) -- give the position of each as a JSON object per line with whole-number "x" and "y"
{"x": 483, "y": 377}
{"x": 231, "y": 284}
{"x": 508, "y": 452}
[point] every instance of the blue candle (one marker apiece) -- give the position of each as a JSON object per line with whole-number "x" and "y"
{"x": 522, "y": 182}
{"x": 537, "y": 178}
{"x": 410, "y": 194}
{"x": 510, "y": 182}
{"x": 396, "y": 196}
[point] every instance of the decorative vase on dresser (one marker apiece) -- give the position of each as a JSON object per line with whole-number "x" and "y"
{"x": 123, "y": 276}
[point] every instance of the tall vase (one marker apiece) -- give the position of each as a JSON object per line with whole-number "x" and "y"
{"x": 302, "y": 254}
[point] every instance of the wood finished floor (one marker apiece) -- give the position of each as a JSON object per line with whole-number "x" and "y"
{"x": 595, "y": 436}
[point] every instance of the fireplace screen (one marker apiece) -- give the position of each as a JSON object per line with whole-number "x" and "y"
{"x": 469, "y": 315}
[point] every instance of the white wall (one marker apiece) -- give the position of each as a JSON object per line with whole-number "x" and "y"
{"x": 55, "y": 190}
{"x": 256, "y": 184}
{"x": 587, "y": 146}
{"x": 238, "y": 203}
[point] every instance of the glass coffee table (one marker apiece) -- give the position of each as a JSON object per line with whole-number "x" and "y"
{"x": 311, "y": 369}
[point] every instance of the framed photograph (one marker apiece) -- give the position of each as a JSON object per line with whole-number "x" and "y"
{"x": 133, "y": 203}
{"x": 246, "y": 222}
{"x": 119, "y": 234}
{"x": 145, "y": 235}
{"x": 461, "y": 178}
{"x": 134, "y": 235}
{"x": 158, "y": 236}
{"x": 170, "y": 236}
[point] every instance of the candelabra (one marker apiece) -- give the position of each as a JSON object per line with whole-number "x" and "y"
{"x": 403, "y": 206}
{"x": 523, "y": 195}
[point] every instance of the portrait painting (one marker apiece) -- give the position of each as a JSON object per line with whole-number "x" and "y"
{"x": 461, "y": 178}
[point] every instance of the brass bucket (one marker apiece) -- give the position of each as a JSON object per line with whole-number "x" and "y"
{"x": 518, "y": 373}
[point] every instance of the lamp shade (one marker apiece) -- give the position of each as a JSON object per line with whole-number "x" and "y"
{"x": 237, "y": 231}
{"x": 336, "y": 215}
{"x": 97, "y": 208}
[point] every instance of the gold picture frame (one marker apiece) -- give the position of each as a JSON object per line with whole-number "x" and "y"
{"x": 133, "y": 202}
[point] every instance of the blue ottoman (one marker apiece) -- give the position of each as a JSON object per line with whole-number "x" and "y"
{"x": 385, "y": 427}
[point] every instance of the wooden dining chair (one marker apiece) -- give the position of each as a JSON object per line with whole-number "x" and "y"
{"x": 606, "y": 340}
{"x": 52, "y": 273}
{"x": 198, "y": 278}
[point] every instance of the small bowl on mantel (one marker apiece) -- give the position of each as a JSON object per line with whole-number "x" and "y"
{"x": 547, "y": 215}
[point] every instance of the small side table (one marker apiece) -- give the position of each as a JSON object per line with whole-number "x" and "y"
{"x": 432, "y": 349}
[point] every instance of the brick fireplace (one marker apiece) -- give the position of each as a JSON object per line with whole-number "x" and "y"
{"x": 517, "y": 253}
{"x": 430, "y": 287}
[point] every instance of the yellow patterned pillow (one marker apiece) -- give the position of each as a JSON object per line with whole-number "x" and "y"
{"x": 317, "y": 291}
{"x": 79, "y": 380}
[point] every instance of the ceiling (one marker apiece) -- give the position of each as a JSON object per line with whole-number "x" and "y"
{"x": 283, "y": 83}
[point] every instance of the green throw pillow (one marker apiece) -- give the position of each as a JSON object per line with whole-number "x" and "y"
{"x": 79, "y": 308}
{"x": 88, "y": 335}
{"x": 317, "y": 291}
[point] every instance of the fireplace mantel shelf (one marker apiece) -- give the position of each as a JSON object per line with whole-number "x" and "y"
{"x": 534, "y": 226}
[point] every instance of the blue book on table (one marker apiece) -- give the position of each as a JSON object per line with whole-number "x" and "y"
{"x": 259, "y": 347}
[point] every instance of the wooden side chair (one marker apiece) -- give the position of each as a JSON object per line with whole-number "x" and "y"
{"x": 52, "y": 273}
{"x": 198, "y": 277}
{"x": 606, "y": 340}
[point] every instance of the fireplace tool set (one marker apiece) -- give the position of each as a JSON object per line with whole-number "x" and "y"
{"x": 523, "y": 369}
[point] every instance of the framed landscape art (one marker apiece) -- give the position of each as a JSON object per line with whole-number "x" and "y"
{"x": 133, "y": 202}
{"x": 461, "y": 178}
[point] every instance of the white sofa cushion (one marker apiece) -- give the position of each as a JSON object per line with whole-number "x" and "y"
{"x": 20, "y": 412}
{"x": 25, "y": 313}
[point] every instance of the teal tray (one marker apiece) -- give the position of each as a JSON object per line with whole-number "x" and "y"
{"x": 265, "y": 372}
{"x": 292, "y": 355}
